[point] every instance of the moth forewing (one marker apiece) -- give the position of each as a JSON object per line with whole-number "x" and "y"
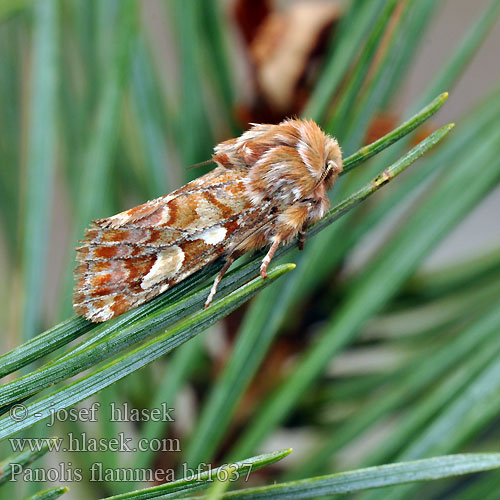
{"x": 269, "y": 184}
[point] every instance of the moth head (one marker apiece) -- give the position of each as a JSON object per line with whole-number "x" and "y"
{"x": 290, "y": 162}
{"x": 322, "y": 158}
{"x": 332, "y": 166}
{"x": 318, "y": 154}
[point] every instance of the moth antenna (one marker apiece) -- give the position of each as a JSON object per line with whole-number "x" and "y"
{"x": 200, "y": 164}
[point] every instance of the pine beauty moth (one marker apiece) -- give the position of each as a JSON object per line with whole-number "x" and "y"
{"x": 268, "y": 185}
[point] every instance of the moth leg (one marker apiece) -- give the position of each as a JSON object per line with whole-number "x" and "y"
{"x": 302, "y": 236}
{"x": 268, "y": 257}
{"x": 230, "y": 259}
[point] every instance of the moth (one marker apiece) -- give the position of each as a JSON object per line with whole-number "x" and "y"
{"x": 268, "y": 185}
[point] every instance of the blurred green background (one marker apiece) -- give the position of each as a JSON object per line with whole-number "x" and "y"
{"x": 383, "y": 344}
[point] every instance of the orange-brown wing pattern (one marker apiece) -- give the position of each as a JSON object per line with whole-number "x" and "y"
{"x": 127, "y": 259}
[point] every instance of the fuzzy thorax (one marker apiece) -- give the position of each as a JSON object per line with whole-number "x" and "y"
{"x": 293, "y": 164}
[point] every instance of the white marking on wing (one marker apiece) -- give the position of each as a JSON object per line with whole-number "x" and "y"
{"x": 213, "y": 235}
{"x": 165, "y": 215}
{"x": 167, "y": 264}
